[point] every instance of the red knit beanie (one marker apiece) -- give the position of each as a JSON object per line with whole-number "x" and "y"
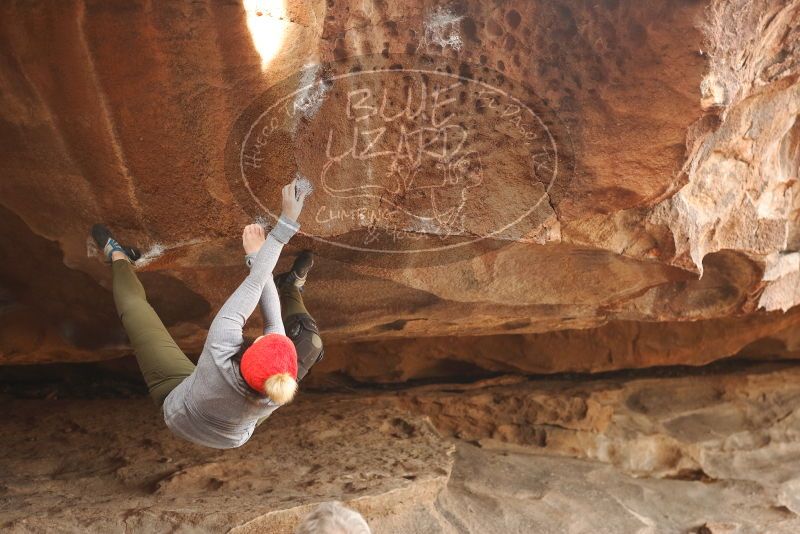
{"x": 271, "y": 355}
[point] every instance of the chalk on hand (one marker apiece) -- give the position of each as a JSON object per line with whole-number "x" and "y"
{"x": 302, "y": 186}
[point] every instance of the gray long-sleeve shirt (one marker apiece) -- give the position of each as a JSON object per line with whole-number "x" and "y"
{"x": 214, "y": 406}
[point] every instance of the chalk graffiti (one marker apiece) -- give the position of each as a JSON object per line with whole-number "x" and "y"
{"x": 405, "y": 154}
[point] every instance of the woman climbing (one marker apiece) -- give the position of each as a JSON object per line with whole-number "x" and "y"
{"x": 233, "y": 388}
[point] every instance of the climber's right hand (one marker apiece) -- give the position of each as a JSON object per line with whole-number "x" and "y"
{"x": 291, "y": 205}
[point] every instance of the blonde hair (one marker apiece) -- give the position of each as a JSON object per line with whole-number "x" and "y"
{"x": 333, "y": 518}
{"x": 280, "y": 388}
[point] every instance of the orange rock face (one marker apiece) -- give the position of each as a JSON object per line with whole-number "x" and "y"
{"x": 505, "y": 186}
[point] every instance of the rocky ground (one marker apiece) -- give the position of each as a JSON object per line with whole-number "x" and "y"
{"x": 715, "y": 450}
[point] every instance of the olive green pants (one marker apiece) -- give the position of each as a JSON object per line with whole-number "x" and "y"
{"x": 291, "y": 301}
{"x": 162, "y": 362}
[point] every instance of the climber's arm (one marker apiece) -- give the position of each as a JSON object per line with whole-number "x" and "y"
{"x": 225, "y": 336}
{"x": 271, "y": 309}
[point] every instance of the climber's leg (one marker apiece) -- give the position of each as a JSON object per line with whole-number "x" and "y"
{"x": 291, "y": 300}
{"x": 301, "y": 328}
{"x": 298, "y": 323}
{"x": 162, "y": 363}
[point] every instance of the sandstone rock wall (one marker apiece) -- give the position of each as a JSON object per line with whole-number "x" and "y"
{"x": 677, "y": 132}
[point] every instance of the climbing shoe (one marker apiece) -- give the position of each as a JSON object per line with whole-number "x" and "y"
{"x": 299, "y": 271}
{"x": 102, "y": 236}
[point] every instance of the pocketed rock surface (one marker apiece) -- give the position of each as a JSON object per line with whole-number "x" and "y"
{"x": 718, "y": 450}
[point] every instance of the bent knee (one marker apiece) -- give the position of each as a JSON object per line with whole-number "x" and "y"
{"x": 316, "y": 341}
